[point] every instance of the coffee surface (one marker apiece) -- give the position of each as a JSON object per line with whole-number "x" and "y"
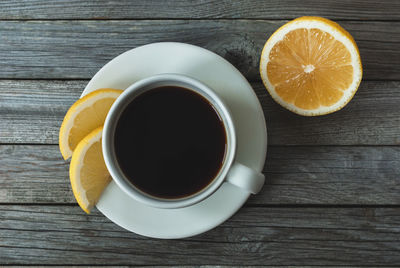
{"x": 170, "y": 142}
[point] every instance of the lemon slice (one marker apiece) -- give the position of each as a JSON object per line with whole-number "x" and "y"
{"x": 84, "y": 116}
{"x": 88, "y": 173}
{"x": 311, "y": 66}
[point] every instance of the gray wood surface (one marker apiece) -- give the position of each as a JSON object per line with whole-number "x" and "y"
{"x": 333, "y": 182}
{"x": 317, "y": 175}
{"x": 78, "y": 49}
{"x": 187, "y": 9}
{"x": 254, "y": 236}
{"x": 31, "y": 111}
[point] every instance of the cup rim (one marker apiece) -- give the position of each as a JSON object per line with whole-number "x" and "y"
{"x": 134, "y": 91}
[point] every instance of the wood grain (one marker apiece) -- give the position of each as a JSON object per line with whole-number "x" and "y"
{"x": 331, "y": 196}
{"x": 33, "y": 174}
{"x": 78, "y": 49}
{"x": 250, "y": 9}
{"x": 331, "y": 175}
{"x": 254, "y": 236}
{"x": 371, "y": 118}
{"x": 311, "y": 175}
{"x": 31, "y": 111}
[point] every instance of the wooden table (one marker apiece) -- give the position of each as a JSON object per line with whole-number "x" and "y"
{"x": 332, "y": 195}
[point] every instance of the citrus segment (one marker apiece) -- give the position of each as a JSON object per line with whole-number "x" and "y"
{"x": 311, "y": 66}
{"x": 85, "y": 115}
{"x": 88, "y": 173}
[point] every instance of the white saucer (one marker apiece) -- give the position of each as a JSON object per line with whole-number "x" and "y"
{"x": 247, "y": 113}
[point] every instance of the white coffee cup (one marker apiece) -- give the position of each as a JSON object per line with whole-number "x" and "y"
{"x": 230, "y": 172}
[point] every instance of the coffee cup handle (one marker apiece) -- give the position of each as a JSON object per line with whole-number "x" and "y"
{"x": 246, "y": 178}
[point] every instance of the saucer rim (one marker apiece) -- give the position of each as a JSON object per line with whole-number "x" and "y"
{"x": 259, "y": 168}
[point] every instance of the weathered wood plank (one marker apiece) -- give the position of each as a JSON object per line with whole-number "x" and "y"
{"x": 185, "y": 266}
{"x": 32, "y": 112}
{"x": 295, "y": 175}
{"x": 254, "y": 236}
{"x": 371, "y": 118}
{"x": 251, "y": 9}
{"x": 77, "y": 49}
{"x": 331, "y": 175}
{"x": 33, "y": 174}
{"x": 180, "y": 266}
{"x": 81, "y": 266}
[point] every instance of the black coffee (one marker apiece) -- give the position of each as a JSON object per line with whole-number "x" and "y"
{"x": 170, "y": 142}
